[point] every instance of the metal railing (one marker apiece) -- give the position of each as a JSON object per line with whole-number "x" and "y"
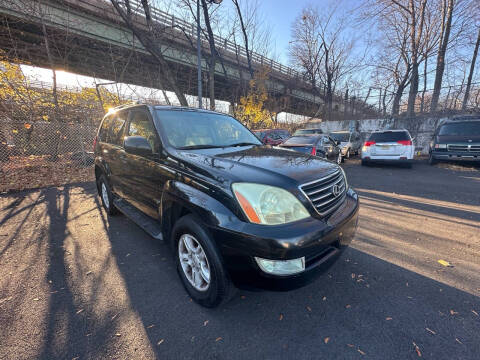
{"x": 165, "y": 19}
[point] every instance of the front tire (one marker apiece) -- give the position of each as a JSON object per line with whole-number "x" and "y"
{"x": 347, "y": 155}
{"x": 432, "y": 160}
{"x": 339, "y": 158}
{"x": 199, "y": 264}
{"x": 106, "y": 195}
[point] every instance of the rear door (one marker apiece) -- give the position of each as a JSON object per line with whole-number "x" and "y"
{"x": 390, "y": 143}
{"x": 143, "y": 183}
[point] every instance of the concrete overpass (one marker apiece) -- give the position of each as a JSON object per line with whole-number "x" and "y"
{"x": 88, "y": 37}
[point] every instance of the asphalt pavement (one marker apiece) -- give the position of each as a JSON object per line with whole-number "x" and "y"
{"x": 76, "y": 284}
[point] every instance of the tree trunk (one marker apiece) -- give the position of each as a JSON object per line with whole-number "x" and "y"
{"x": 396, "y": 100}
{"x": 441, "y": 57}
{"x": 422, "y": 105}
{"x": 245, "y": 38}
{"x": 213, "y": 57}
{"x": 470, "y": 74}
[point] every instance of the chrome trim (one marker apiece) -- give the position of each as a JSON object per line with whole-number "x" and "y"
{"x": 340, "y": 198}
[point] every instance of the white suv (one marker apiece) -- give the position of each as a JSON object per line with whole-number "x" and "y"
{"x": 389, "y": 146}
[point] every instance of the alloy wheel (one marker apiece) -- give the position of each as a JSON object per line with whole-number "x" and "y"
{"x": 194, "y": 262}
{"x": 105, "y": 199}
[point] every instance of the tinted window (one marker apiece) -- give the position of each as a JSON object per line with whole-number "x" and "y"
{"x": 282, "y": 133}
{"x": 460, "y": 129}
{"x": 342, "y": 137}
{"x": 141, "y": 125}
{"x": 184, "y": 129}
{"x": 389, "y": 136}
{"x": 102, "y": 134}
{"x": 259, "y": 134}
{"x": 116, "y": 129}
{"x": 301, "y": 140}
{"x": 307, "y": 131}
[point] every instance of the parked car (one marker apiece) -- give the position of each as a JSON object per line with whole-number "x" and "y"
{"x": 319, "y": 145}
{"x": 457, "y": 140}
{"x": 395, "y": 146}
{"x": 234, "y": 211}
{"x": 350, "y": 142}
{"x": 307, "y": 132}
{"x": 272, "y": 136}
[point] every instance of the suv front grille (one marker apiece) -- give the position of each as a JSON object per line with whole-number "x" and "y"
{"x": 457, "y": 147}
{"x": 464, "y": 148}
{"x": 327, "y": 193}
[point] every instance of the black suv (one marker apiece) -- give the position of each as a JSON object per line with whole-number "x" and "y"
{"x": 457, "y": 139}
{"x": 234, "y": 211}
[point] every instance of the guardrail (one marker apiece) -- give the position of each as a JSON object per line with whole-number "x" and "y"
{"x": 165, "y": 19}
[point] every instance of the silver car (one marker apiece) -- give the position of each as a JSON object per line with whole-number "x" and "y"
{"x": 350, "y": 142}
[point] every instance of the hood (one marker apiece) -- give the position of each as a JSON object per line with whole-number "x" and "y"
{"x": 259, "y": 164}
{"x": 458, "y": 138}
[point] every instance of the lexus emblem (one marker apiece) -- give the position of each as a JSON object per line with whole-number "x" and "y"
{"x": 336, "y": 190}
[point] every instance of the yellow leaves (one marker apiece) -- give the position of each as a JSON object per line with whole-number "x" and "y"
{"x": 45, "y": 117}
{"x": 445, "y": 263}
{"x": 15, "y": 131}
{"x": 27, "y": 126}
{"x": 326, "y": 340}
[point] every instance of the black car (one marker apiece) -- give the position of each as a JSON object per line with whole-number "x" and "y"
{"x": 234, "y": 211}
{"x": 320, "y": 145}
{"x": 457, "y": 140}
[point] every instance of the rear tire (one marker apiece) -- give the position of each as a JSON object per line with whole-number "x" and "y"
{"x": 106, "y": 195}
{"x": 213, "y": 289}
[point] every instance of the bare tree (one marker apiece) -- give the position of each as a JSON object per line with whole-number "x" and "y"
{"x": 151, "y": 40}
{"x": 472, "y": 69}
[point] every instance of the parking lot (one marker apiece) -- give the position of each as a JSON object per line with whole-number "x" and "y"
{"x": 75, "y": 284}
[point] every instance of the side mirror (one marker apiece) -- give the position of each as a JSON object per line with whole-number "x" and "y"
{"x": 337, "y": 142}
{"x": 137, "y": 145}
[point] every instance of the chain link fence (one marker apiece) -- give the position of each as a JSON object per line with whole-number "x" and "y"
{"x": 38, "y": 154}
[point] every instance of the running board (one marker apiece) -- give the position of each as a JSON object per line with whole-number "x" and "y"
{"x": 149, "y": 225}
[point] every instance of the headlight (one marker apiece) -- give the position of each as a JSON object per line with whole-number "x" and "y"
{"x": 440, "y": 146}
{"x": 268, "y": 205}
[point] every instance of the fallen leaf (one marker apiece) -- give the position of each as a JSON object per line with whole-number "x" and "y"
{"x": 353, "y": 276}
{"x": 114, "y": 316}
{"x": 452, "y": 312}
{"x": 458, "y": 341}
{"x": 388, "y": 318}
{"x": 350, "y": 345}
{"x": 326, "y": 340}
{"x": 160, "y": 342}
{"x": 324, "y": 298}
{"x": 309, "y": 308}
{"x": 150, "y": 326}
{"x": 417, "y": 349}
{"x": 127, "y": 255}
{"x": 361, "y": 352}
{"x": 348, "y": 306}
{"x": 36, "y": 299}
{"x": 445, "y": 263}
{"x": 88, "y": 273}
{"x": 118, "y": 334}
{"x": 473, "y": 311}
{"x": 218, "y": 339}
{"x": 431, "y": 331}
{"x": 79, "y": 311}
{"x": 280, "y": 317}
{"x": 205, "y": 323}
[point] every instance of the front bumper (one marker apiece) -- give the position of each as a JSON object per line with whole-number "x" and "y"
{"x": 455, "y": 156}
{"x": 320, "y": 241}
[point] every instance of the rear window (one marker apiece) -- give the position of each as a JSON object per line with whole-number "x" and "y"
{"x": 307, "y": 131}
{"x": 460, "y": 129}
{"x": 389, "y": 136}
{"x": 282, "y": 133}
{"x": 301, "y": 140}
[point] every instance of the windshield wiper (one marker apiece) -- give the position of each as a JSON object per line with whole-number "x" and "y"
{"x": 195, "y": 147}
{"x": 240, "y": 144}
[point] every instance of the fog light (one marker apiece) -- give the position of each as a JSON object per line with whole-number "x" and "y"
{"x": 281, "y": 267}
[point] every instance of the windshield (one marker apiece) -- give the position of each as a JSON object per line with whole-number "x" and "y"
{"x": 342, "y": 137}
{"x": 301, "y": 140}
{"x": 193, "y": 129}
{"x": 389, "y": 136}
{"x": 307, "y": 131}
{"x": 460, "y": 129}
